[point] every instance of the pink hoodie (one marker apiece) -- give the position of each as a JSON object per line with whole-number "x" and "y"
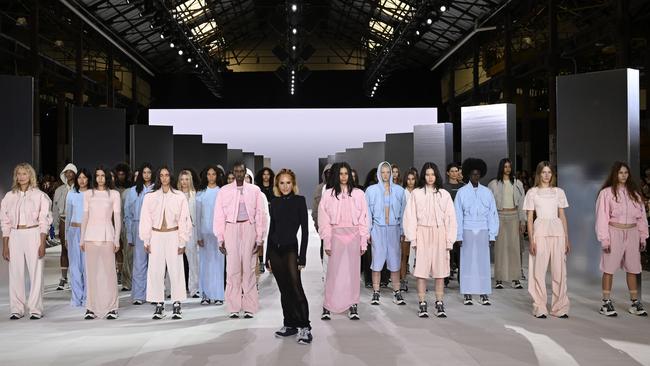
{"x": 329, "y": 215}
{"x": 37, "y": 205}
{"x": 227, "y": 207}
{"x": 621, "y": 211}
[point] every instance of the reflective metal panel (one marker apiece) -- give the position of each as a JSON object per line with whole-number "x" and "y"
{"x": 151, "y": 144}
{"x": 597, "y": 124}
{"x": 322, "y": 162}
{"x": 249, "y": 160}
{"x": 188, "y": 152}
{"x": 259, "y": 163}
{"x": 373, "y": 154}
{"x": 399, "y": 150}
{"x": 234, "y": 155}
{"x": 214, "y": 154}
{"x": 97, "y": 136}
{"x": 488, "y": 133}
{"x": 433, "y": 142}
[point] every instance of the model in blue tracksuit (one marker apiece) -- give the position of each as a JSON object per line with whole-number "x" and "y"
{"x": 211, "y": 261}
{"x": 74, "y": 212}
{"x": 386, "y": 205}
{"x": 132, "y": 207}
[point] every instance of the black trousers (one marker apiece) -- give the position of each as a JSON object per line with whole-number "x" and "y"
{"x": 284, "y": 266}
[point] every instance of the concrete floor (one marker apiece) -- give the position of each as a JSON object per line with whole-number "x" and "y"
{"x": 502, "y": 334}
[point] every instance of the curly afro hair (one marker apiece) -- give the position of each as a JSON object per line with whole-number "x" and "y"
{"x": 471, "y": 164}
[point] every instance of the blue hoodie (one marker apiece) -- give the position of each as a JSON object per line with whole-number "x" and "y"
{"x": 375, "y": 199}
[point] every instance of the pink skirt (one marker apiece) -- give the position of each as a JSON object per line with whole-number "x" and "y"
{"x": 342, "y": 283}
{"x": 101, "y": 278}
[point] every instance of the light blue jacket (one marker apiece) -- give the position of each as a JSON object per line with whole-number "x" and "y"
{"x": 476, "y": 210}
{"x": 205, "y": 201}
{"x": 376, "y": 207}
{"x": 132, "y": 207}
{"x": 74, "y": 208}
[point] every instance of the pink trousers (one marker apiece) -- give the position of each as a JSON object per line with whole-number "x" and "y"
{"x": 101, "y": 278}
{"x": 241, "y": 261}
{"x": 23, "y": 248}
{"x": 343, "y": 281}
{"x": 549, "y": 249}
{"x": 164, "y": 254}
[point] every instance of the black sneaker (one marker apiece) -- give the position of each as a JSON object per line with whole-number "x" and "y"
{"x": 325, "y": 315}
{"x": 89, "y": 315}
{"x": 286, "y": 332}
{"x": 159, "y": 313}
{"x": 484, "y": 300}
{"x": 540, "y": 316}
{"x": 422, "y": 312}
{"x": 218, "y": 302}
{"x": 375, "y": 298}
{"x": 304, "y": 336}
{"x": 564, "y": 316}
{"x": 637, "y": 308}
{"x": 248, "y": 315}
{"x": 205, "y": 301}
{"x": 404, "y": 286}
{"x": 607, "y": 308}
{"x": 446, "y": 282}
{"x": 138, "y": 302}
{"x": 468, "y": 300}
{"x": 353, "y": 312}
{"x": 398, "y": 299}
{"x": 15, "y": 316}
{"x": 440, "y": 309}
{"x": 62, "y": 283}
{"x": 262, "y": 269}
{"x": 234, "y": 315}
{"x": 177, "y": 313}
{"x": 383, "y": 284}
{"x": 35, "y": 316}
{"x": 196, "y": 296}
{"x": 516, "y": 284}
{"x": 112, "y": 315}
{"x": 499, "y": 285}
{"x": 125, "y": 289}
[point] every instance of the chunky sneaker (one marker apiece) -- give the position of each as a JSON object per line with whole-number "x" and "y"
{"x": 440, "y": 309}
{"x": 286, "y": 332}
{"x": 89, "y": 315}
{"x": 325, "y": 315}
{"x": 375, "y": 298}
{"x": 468, "y": 300}
{"x": 304, "y": 336}
{"x": 262, "y": 269}
{"x": 398, "y": 299}
{"x": 205, "y": 301}
{"x": 422, "y": 312}
{"x": 35, "y": 316}
{"x": 234, "y": 315}
{"x": 248, "y": 315}
{"x": 218, "y": 302}
{"x": 112, "y": 315}
{"x": 404, "y": 286}
{"x": 564, "y": 316}
{"x": 196, "y": 295}
{"x": 446, "y": 282}
{"x": 607, "y": 308}
{"x": 177, "y": 313}
{"x": 637, "y": 308}
{"x": 516, "y": 284}
{"x": 353, "y": 313}
{"x": 15, "y": 316}
{"x": 159, "y": 313}
{"x": 540, "y": 316}
{"x": 125, "y": 289}
{"x": 62, "y": 283}
{"x": 484, "y": 300}
{"x": 138, "y": 302}
{"x": 499, "y": 285}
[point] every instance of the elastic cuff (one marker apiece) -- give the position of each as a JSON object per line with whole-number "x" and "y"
{"x": 605, "y": 244}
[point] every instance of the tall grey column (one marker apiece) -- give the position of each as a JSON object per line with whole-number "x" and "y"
{"x": 399, "y": 150}
{"x": 597, "y": 124}
{"x": 435, "y": 143}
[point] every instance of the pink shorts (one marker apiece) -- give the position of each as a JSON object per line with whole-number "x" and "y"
{"x": 624, "y": 251}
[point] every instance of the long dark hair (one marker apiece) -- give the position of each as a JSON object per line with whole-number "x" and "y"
{"x": 336, "y": 180}
{"x": 630, "y": 185}
{"x": 139, "y": 182}
{"x": 371, "y": 178}
{"x": 412, "y": 171}
{"x": 123, "y": 167}
{"x": 422, "y": 182}
{"x": 330, "y": 180}
{"x": 85, "y": 172}
{"x": 502, "y": 164}
{"x": 355, "y": 179}
{"x": 172, "y": 179}
{"x": 204, "y": 176}
{"x": 258, "y": 177}
{"x": 107, "y": 174}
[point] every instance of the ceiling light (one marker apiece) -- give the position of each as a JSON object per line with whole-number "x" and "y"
{"x": 171, "y": 45}
{"x": 293, "y": 48}
{"x": 180, "y": 52}
{"x": 443, "y": 8}
{"x": 196, "y": 66}
{"x": 294, "y": 31}
{"x": 294, "y": 8}
{"x": 162, "y": 36}
{"x": 417, "y": 32}
{"x": 429, "y": 21}
{"x": 293, "y": 72}
{"x": 189, "y": 60}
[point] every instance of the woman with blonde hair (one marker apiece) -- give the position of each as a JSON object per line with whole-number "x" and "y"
{"x": 549, "y": 241}
{"x": 25, "y": 218}
{"x": 284, "y": 260}
{"x": 186, "y": 185}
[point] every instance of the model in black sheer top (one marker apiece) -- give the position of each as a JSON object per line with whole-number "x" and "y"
{"x": 288, "y": 214}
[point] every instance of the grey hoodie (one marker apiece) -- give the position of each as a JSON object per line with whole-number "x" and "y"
{"x": 58, "y": 203}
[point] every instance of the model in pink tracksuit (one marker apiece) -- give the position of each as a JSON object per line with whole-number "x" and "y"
{"x": 622, "y": 230}
{"x": 240, "y": 227}
{"x": 549, "y": 242}
{"x": 25, "y": 218}
{"x": 165, "y": 228}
